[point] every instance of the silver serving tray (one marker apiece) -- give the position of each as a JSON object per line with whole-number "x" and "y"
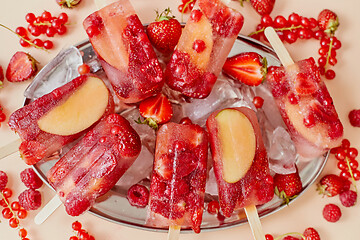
{"x": 115, "y": 207}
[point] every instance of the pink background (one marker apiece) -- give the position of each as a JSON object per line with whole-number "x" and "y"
{"x": 303, "y": 213}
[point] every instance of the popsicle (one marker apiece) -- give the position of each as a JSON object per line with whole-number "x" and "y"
{"x": 304, "y": 103}
{"x": 124, "y": 50}
{"x": 203, "y": 47}
{"x": 94, "y": 165}
{"x": 178, "y": 180}
{"x": 59, "y": 117}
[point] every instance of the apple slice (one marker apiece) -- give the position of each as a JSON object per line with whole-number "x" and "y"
{"x": 238, "y": 144}
{"x": 83, "y": 108}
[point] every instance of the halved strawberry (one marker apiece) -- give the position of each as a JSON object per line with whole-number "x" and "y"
{"x": 22, "y": 66}
{"x": 165, "y": 32}
{"x": 249, "y": 68}
{"x": 156, "y": 110}
{"x": 331, "y": 185}
{"x": 328, "y": 21}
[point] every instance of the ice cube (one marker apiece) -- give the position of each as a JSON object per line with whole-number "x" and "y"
{"x": 62, "y": 69}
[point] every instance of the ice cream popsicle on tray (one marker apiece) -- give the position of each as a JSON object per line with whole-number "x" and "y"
{"x": 304, "y": 102}
{"x": 240, "y": 163}
{"x": 178, "y": 180}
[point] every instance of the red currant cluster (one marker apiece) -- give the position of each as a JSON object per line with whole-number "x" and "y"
{"x": 81, "y": 234}
{"x": 44, "y": 24}
{"x": 347, "y": 162}
{"x": 186, "y": 6}
{"x": 11, "y": 210}
{"x": 298, "y": 27}
{"x": 309, "y": 234}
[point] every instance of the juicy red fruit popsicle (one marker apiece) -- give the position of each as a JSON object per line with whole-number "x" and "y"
{"x": 203, "y": 48}
{"x": 125, "y": 52}
{"x": 306, "y": 107}
{"x": 239, "y": 159}
{"x": 53, "y": 120}
{"x": 178, "y": 180}
{"x": 94, "y": 165}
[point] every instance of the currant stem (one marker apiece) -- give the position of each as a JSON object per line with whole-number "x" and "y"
{"x": 276, "y": 29}
{"x": 185, "y": 6}
{"x": 29, "y": 42}
{"x": 329, "y": 52}
{"x": 351, "y": 173}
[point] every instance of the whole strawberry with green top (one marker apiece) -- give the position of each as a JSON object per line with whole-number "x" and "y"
{"x": 328, "y": 21}
{"x": 165, "y": 32}
{"x": 287, "y": 186}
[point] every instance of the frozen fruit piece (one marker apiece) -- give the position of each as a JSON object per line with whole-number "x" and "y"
{"x": 354, "y": 117}
{"x": 331, "y": 212}
{"x": 248, "y": 67}
{"x": 306, "y": 107}
{"x": 82, "y": 109}
{"x": 255, "y": 184}
{"x": 3, "y": 180}
{"x": 178, "y": 181}
{"x": 311, "y": 234}
{"x": 125, "y": 52}
{"x": 237, "y": 138}
{"x": 348, "y": 198}
{"x": 37, "y": 144}
{"x": 287, "y": 186}
{"x": 203, "y": 47}
{"x": 156, "y": 110}
{"x": 138, "y": 196}
{"x": 331, "y": 185}
{"x": 22, "y": 66}
{"x": 94, "y": 165}
{"x": 30, "y": 199}
{"x": 30, "y": 178}
{"x": 165, "y": 32}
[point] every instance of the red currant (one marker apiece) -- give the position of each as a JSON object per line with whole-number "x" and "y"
{"x": 353, "y": 164}
{"x": 356, "y": 175}
{"x": 345, "y": 174}
{"x": 269, "y": 237}
{"x": 22, "y": 214}
{"x": 199, "y": 46}
{"x": 266, "y": 21}
{"x": 14, "y": 222}
{"x": 340, "y": 154}
{"x": 309, "y": 121}
{"x": 83, "y": 235}
{"x": 342, "y": 165}
{"x": 83, "y": 69}
{"x": 76, "y": 226}
{"x": 22, "y": 233}
{"x": 2, "y": 117}
{"x": 330, "y": 74}
{"x": 258, "y": 101}
{"x": 21, "y": 31}
{"x": 63, "y": 18}
{"x": 38, "y": 42}
{"x": 48, "y": 44}
{"x": 332, "y": 61}
{"x": 291, "y": 37}
{"x": 50, "y": 31}
{"x": 322, "y": 61}
{"x": 30, "y": 18}
{"x": 35, "y": 31}
{"x": 345, "y": 143}
{"x": 73, "y": 238}
{"x": 336, "y": 44}
{"x": 313, "y": 23}
{"x": 319, "y": 34}
{"x": 280, "y": 22}
{"x": 294, "y": 19}
{"x": 15, "y": 206}
{"x": 7, "y": 214}
{"x": 213, "y": 207}
{"x": 24, "y": 43}
{"x": 46, "y": 16}
{"x": 324, "y": 42}
{"x": 61, "y": 30}
{"x": 323, "y": 51}
{"x": 196, "y": 15}
{"x": 305, "y": 22}
{"x": 7, "y": 192}
{"x": 352, "y": 153}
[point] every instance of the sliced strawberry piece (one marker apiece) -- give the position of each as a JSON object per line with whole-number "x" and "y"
{"x": 304, "y": 85}
{"x": 22, "y": 66}
{"x": 249, "y": 68}
{"x": 156, "y": 110}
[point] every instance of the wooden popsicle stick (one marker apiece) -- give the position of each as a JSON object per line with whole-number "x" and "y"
{"x": 254, "y": 222}
{"x": 10, "y": 148}
{"x": 278, "y": 46}
{"x": 174, "y": 232}
{"x": 46, "y": 211}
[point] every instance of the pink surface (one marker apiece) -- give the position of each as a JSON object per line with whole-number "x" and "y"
{"x": 303, "y": 213}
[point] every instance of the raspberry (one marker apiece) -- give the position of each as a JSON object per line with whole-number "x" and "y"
{"x": 348, "y": 198}
{"x": 331, "y": 213}
{"x": 311, "y": 234}
{"x": 30, "y": 199}
{"x": 138, "y": 196}
{"x": 30, "y": 178}
{"x": 3, "y": 180}
{"x": 354, "y": 117}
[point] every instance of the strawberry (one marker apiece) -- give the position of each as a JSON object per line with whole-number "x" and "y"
{"x": 311, "y": 234}
{"x": 262, "y": 7}
{"x": 68, "y": 3}
{"x": 22, "y": 66}
{"x": 328, "y": 21}
{"x": 348, "y": 198}
{"x": 331, "y": 185}
{"x": 156, "y": 110}
{"x": 248, "y": 67}
{"x": 287, "y": 186}
{"x": 331, "y": 213}
{"x": 165, "y": 32}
